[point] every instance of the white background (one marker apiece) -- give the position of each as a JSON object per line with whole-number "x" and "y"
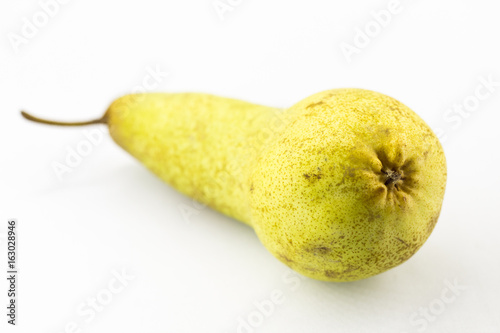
{"x": 206, "y": 273}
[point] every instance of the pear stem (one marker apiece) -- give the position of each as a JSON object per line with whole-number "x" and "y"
{"x": 102, "y": 120}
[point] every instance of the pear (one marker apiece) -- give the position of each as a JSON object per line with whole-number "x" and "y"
{"x": 344, "y": 185}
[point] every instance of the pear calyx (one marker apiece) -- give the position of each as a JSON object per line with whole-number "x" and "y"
{"x": 392, "y": 177}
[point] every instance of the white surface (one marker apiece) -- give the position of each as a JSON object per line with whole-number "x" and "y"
{"x": 205, "y": 273}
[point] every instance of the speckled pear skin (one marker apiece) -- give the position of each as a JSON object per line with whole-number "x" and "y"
{"x": 344, "y": 185}
{"x": 202, "y": 145}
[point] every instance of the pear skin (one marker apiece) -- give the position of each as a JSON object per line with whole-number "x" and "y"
{"x": 344, "y": 185}
{"x": 351, "y": 188}
{"x": 201, "y": 144}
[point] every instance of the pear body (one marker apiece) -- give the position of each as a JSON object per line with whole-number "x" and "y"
{"x": 351, "y": 188}
{"x": 342, "y": 186}
{"x": 200, "y": 144}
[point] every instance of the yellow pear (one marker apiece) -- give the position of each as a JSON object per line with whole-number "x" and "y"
{"x": 345, "y": 184}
